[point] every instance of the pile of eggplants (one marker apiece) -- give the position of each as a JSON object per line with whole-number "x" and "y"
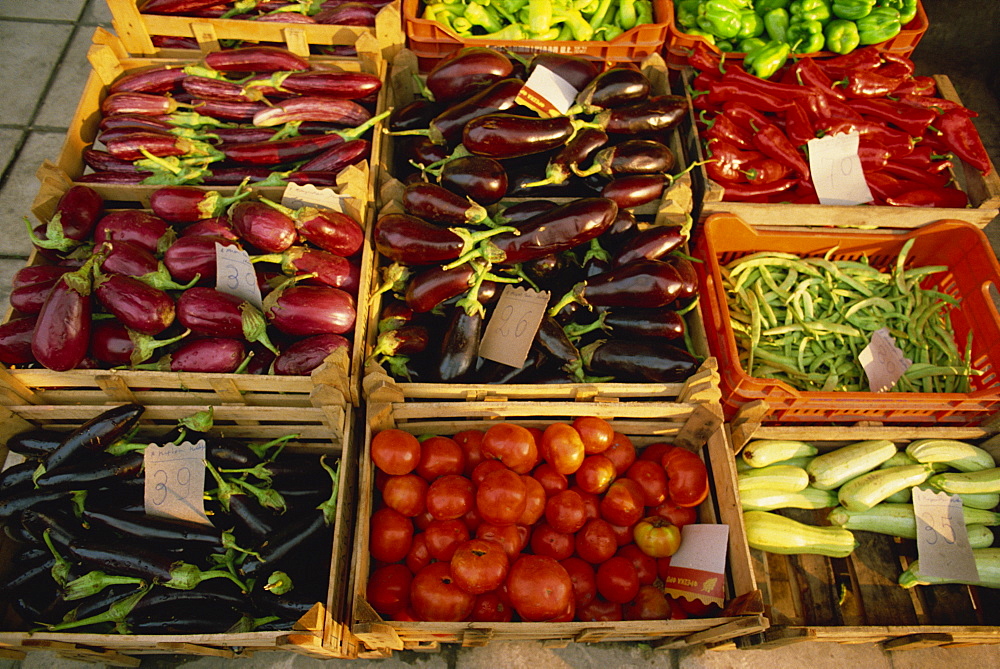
{"x": 88, "y": 558}
{"x": 257, "y": 112}
{"x": 137, "y": 289}
{"x": 495, "y": 194}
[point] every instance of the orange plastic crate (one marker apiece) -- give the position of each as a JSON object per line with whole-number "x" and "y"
{"x": 432, "y": 41}
{"x": 973, "y": 269}
{"x": 679, "y": 43}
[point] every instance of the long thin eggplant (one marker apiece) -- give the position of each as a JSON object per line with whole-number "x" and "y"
{"x": 557, "y": 230}
{"x": 640, "y": 283}
{"x": 87, "y": 475}
{"x": 186, "y": 204}
{"x": 154, "y": 529}
{"x": 460, "y": 347}
{"x": 638, "y": 361}
{"x": 95, "y": 435}
{"x": 34, "y": 443}
{"x": 346, "y": 113}
{"x": 286, "y": 543}
{"x": 256, "y": 59}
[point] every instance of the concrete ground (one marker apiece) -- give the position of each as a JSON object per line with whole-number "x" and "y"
{"x": 43, "y": 68}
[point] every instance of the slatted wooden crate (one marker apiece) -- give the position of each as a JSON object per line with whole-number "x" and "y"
{"x": 644, "y": 423}
{"x": 326, "y": 429}
{"x": 857, "y": 599}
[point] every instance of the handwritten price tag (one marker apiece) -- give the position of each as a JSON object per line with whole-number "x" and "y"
{"x": 547, "y": 93}
{"x": 175, "y": 481}
{"x": 296, "y": 196}
{"x": 883, "y": 361}
{"x": 513, "y": 325}
{"x": 942, "y": 539}
{"x": 235, "y": 274}
{"x": 836, "y": 170}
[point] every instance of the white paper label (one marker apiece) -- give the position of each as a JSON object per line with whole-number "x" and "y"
{"x": 836, "y": 170}
{"x": 513, "y": 325}
{"x": 702, "y": 547}
{"x": 942, "y": 539}
{"x": 547, "y": 93}
{"x": 883, "y": 361}
{"x": 175, "y": 481}
{"x": 297, "y": 196}
{"x": 235, "y": 274}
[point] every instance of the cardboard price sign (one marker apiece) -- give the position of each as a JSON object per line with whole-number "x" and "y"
{"x": 235, "y": 274}
{"x": 942, "y": 539}
{"x": 513, "y": 325}
{"x": 175, "y": 481}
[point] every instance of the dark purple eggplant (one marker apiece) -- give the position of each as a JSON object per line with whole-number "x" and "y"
{"x": 211, "y": 312}
{"x": 62, "y": 330}
{"x": 460, "y": 347}
{"x": 287, "y": 543}
{"x": 564, "y": 163}
{"x": 437, "y": 204}
{"x": 481, "y": 178}
{"x": 310, "y": 310}
{"x": 505, "y": 136}
{"x": 640, "y": 323}
{"x": 35, "y": 443}
{"x": 554, "y": 342}
{"x": 193, "y": 257}
{"x": 138, "y": 227}
{"x": 634, "y": 190}
{"x": 521, "y": 212}
{"x": 17, "y": 475}
{"x": 557, "y": 230}
{"x": 576, "y": 70}
{"x": 139, "y": 306}
{"x": 154, "y": 529}
{"x": 633, "y": 361}
{"x": 414, "y": 241}
{"x": 633, "y": 156}
{"x": 16, "y": 336}
{"x": 467, "y": 72}
{"x": 653, "y": 243}
{"x": 640, "y": 283}
{"x": 654, "y": 115}
{"x": 92, "y": 473}
{"x": 95, "y": 435}
{"x": 615, "y": 87}
{"x": 393, "y": 347}
{"x": 305, "y": 355}
{"x": 414, "y": 115}
{"x": 446, "y": 127}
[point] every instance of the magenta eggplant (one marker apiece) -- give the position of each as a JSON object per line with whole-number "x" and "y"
{"x": 186, "y": 204}
{"x": 329, "y": 269}
{"x": 139, "y": 306}
{"x": 310, "y": 310}
{"x": 62, "y": 331}
{"x": 305, "y": 355}
{"x": 211, "y": 312}
{"x": 255, "y": 59}
{"x": 115, "y": 345}
{"x": 339, "y": 156}
{"x": 78, "y": 211}
{"x": 193, "y": 257}
{"x": 31, "y": 285}
{"x": 15, "y": 341}
{"x": 133, "y": 225}
{"x": 219, "y": 226}
{"x": 151, "y": 79}
{"x": 347, "y": 85}
{"x": 209, "y": 355}
{"x": 347, "y": 113}
{"x": 263, "y": 226}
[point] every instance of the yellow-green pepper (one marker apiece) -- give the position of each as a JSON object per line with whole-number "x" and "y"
{"x": 907, "y": 9}
{"x": 768, "y": 59}
{"x": 881, "y": 24}
{"x": 841, "y": 36}
{"x": 810, "y": 10}
{"x": 719, "y": 17}
{"x": 852, "y": 10}
{"x": 751, "y": 24}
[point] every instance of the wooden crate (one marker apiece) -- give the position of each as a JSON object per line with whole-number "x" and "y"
{"x": 857, "y": 599}
{"x": 982, "y": 190}
{"x": 644, "y": 423}
{"x": 137, "y": 29}
{"x": 321, "y": 633}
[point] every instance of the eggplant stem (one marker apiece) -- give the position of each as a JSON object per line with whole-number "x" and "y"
{"x": 329, "y": 506}
{"x": 577, "y": 330}
{"x": 116, "y": 613}
{"x": 357, "y": 131}
{"x": 573, "y": 295}
{"x": 288, "y": 130}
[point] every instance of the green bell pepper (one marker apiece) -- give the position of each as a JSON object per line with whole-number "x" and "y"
{"x": 764, "y": 6}
{"x": 627, "y": 15}
{"x": 776, "y": 24}
{"x": 751, "y": 24}
{"x": 841, "y": 36}
{"x": 810, "y": 10}
{"x": 719, "y": 17}
{"x": 805, "y": 36}
{"x": 768, "y": 59}
{"x": 749, "y": 44}
{"x": 643, "y": 12}
{"x": 539, "y": 16}
{"x": 707, "y": 36}
{"x": 852, "y": 10}
{"x": 686, "y": 13}
{"x": 881, "y": 24}
{"x": 907, "y": 9}
{"x": 485, "y": 17}
{"x": 725, "y": 45}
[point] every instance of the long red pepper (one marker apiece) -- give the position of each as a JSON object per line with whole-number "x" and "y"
{"x": 771, "y": 141}
{"x": 917, "y": 174}
{"x": 726, "y": 89}
{"x": 723, "y": 127}
{"x": 961, "y": 136}
{"x": 869, "y": 84}
{"x": 930, "y": 197}
{"x": 740, "y": 192}
{"x": 913, "y": 120}
{"x": 743, "y": 115}
{"x": 727, "y": 161}
{"x": 797, "y": 126}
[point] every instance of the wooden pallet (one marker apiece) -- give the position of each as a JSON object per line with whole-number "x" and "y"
{"x": 321, "y": 633}
{"x": 857, "y": 599}
{"x": 644, "y": 423}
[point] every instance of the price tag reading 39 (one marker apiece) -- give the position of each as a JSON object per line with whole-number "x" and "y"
{"x": 235, "y": 274}
{"x": 175, "y": 481}
{"x": 942, "y": 539}
{"x": 836, "y": 170}
{"x": 513, "y": 325}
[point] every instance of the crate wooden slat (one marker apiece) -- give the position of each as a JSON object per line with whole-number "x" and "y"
{"x": 857, "y": 599}
{"x": 643, "y": 422}
{"x": 321, "y": 633}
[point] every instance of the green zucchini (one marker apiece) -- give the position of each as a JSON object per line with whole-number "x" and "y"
{"x": 764, "y": 452}
{"x": 775, "y": 533}
{"x": 980, "y": 536}
{"x": 987, "y": 564}
{"x": 769, "y": 500}
{"x": 898, "y": 459}
{"x": 956, "y": 454}
{"x": 981, "y": 500}
{"x": 773, "y": 477}
{"x": 830, "y": 470}
{"x": 869, "y": 489}
{"x": 902, "y": 497}
{"x": 899, "y": 520}
{"x": 984, "y": 480}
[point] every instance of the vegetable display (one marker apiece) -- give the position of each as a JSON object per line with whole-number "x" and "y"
{"x": 96, "y": 562}
{"x": 256, "y": 112}
{"x": 140, "y": 289}
{"x": 569, "y": 522}
{"x": 865, "y": 486}
{"x": 544, "y": 202}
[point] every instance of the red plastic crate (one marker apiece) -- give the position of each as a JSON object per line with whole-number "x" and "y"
{"x": 973, "y": 270}
{"x": 432, "y": 42}
{"x": 679, "y": 43}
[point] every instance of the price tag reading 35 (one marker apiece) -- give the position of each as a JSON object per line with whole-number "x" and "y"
{"x": 836, "y": 170}
{"x": 942, "y": 539}
{"x": 235, "y": 274}
{"x": 513, "y": 325}
{"x": 175, "y": 481}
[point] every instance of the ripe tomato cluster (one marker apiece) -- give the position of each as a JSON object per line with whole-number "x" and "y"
{"x": 517, "y": 523}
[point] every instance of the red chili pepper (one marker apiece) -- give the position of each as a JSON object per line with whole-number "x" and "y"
{"x": 873, "y": 155}
{"x": 728, "y": 161}
{"x": 960, "y": 135}
{"x": 865, "y": 58}
{"x": 940, "y": 105}
{"x": 703, "y": 80}
{"x": 808, "y": 73}
{"x": 803, "y": 193}
{"x": 738, "y": 192}
{"x": 869, "y": 84}
{"x": 924, "y": 157}
{"x": 897, "y": 141}
{"x": 916, "y": 174}
{"x": 798, "y": 128}
{"x": 771, "y": 141}
{"x": 722, "y": 127}
{"x": 903, "y": 62}
{"x": 700, "y": 101}
{"x": 744, "y": 115}
{"x": 917, "y": 86}
{"x": 725, "y": 90}
{"x": 754, "y": 83}
{"x": 832, "y": 112}
{"x": 704, "y": 58}
{"x": 930, "y": 197}
{"x": 913, "y": 120}
{"x": 884, "y": 185}
{"x": 764, "y": 170}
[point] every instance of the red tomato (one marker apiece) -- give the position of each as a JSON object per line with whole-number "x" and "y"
{"x": 486, "y": 467}
{"x": 657, "y": 537}
{"x": 548, "y": 541}
{"x": 391, "y": 534}
{"x": 534, "y": 501}
{"x": 566, "y": 616}
{"x": 407, "y": 615}
{"x": 444, "y": 536}
{"x": 422, "y": 520}
{"x": 389, "y": 589}
{"x": 687, "y": 477}
{"x": 617, "y": 580}
{"x": 490, "y": 608}
{"x": 566, "y": 512}
{"x": 622, "y": 504}
{"x": 590, "y": 501}
{"x": 584, "y": 580}
{"x": 600, "y": 610}
{"x": 440, "y": 456}
{"x": 623, "y": 534}
{"x": 596, "y": 433}
{"x": 651, "y": 478}
{"x": 539, "y": 588}
{"x": 596, "y": 542}
{"x": 419, "y": 555}
{"x": 654, "y": 452}
{"x": 696, "y": 608}
{"x": 649, "y": 604}
{"x": 551, "y": 480}
{"x": 621, "y": 452}
{"x": 511, "y": 444}
{"x": 479, "y": 566}
{"x": 676, "y": 612}
{"x": 406, "y": 494}
{"x": 645, "y": 566}
{"x": 563, "y": 447}
{"x": 513, "y": 538}
{"x": 395, "y": 452}
{"x": 471, "y": 442}
{"x": 678, "y": 515}
{"x": 502, "y": 497}
{"x": 450, "y": 497}
{"x": 595, "y": 474}
{"x": 435, "y": 596}
{"x": 472, "y": 520}
{"x": 380, "y": 479}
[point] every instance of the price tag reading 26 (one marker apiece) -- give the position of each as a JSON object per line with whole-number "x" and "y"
{"x": 235, "y": 274}
{"x": 175, "y": 481}
{"x": 513, "y": 325}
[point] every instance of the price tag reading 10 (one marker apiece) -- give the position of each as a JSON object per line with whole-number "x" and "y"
{"x": 175, "y": 481}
